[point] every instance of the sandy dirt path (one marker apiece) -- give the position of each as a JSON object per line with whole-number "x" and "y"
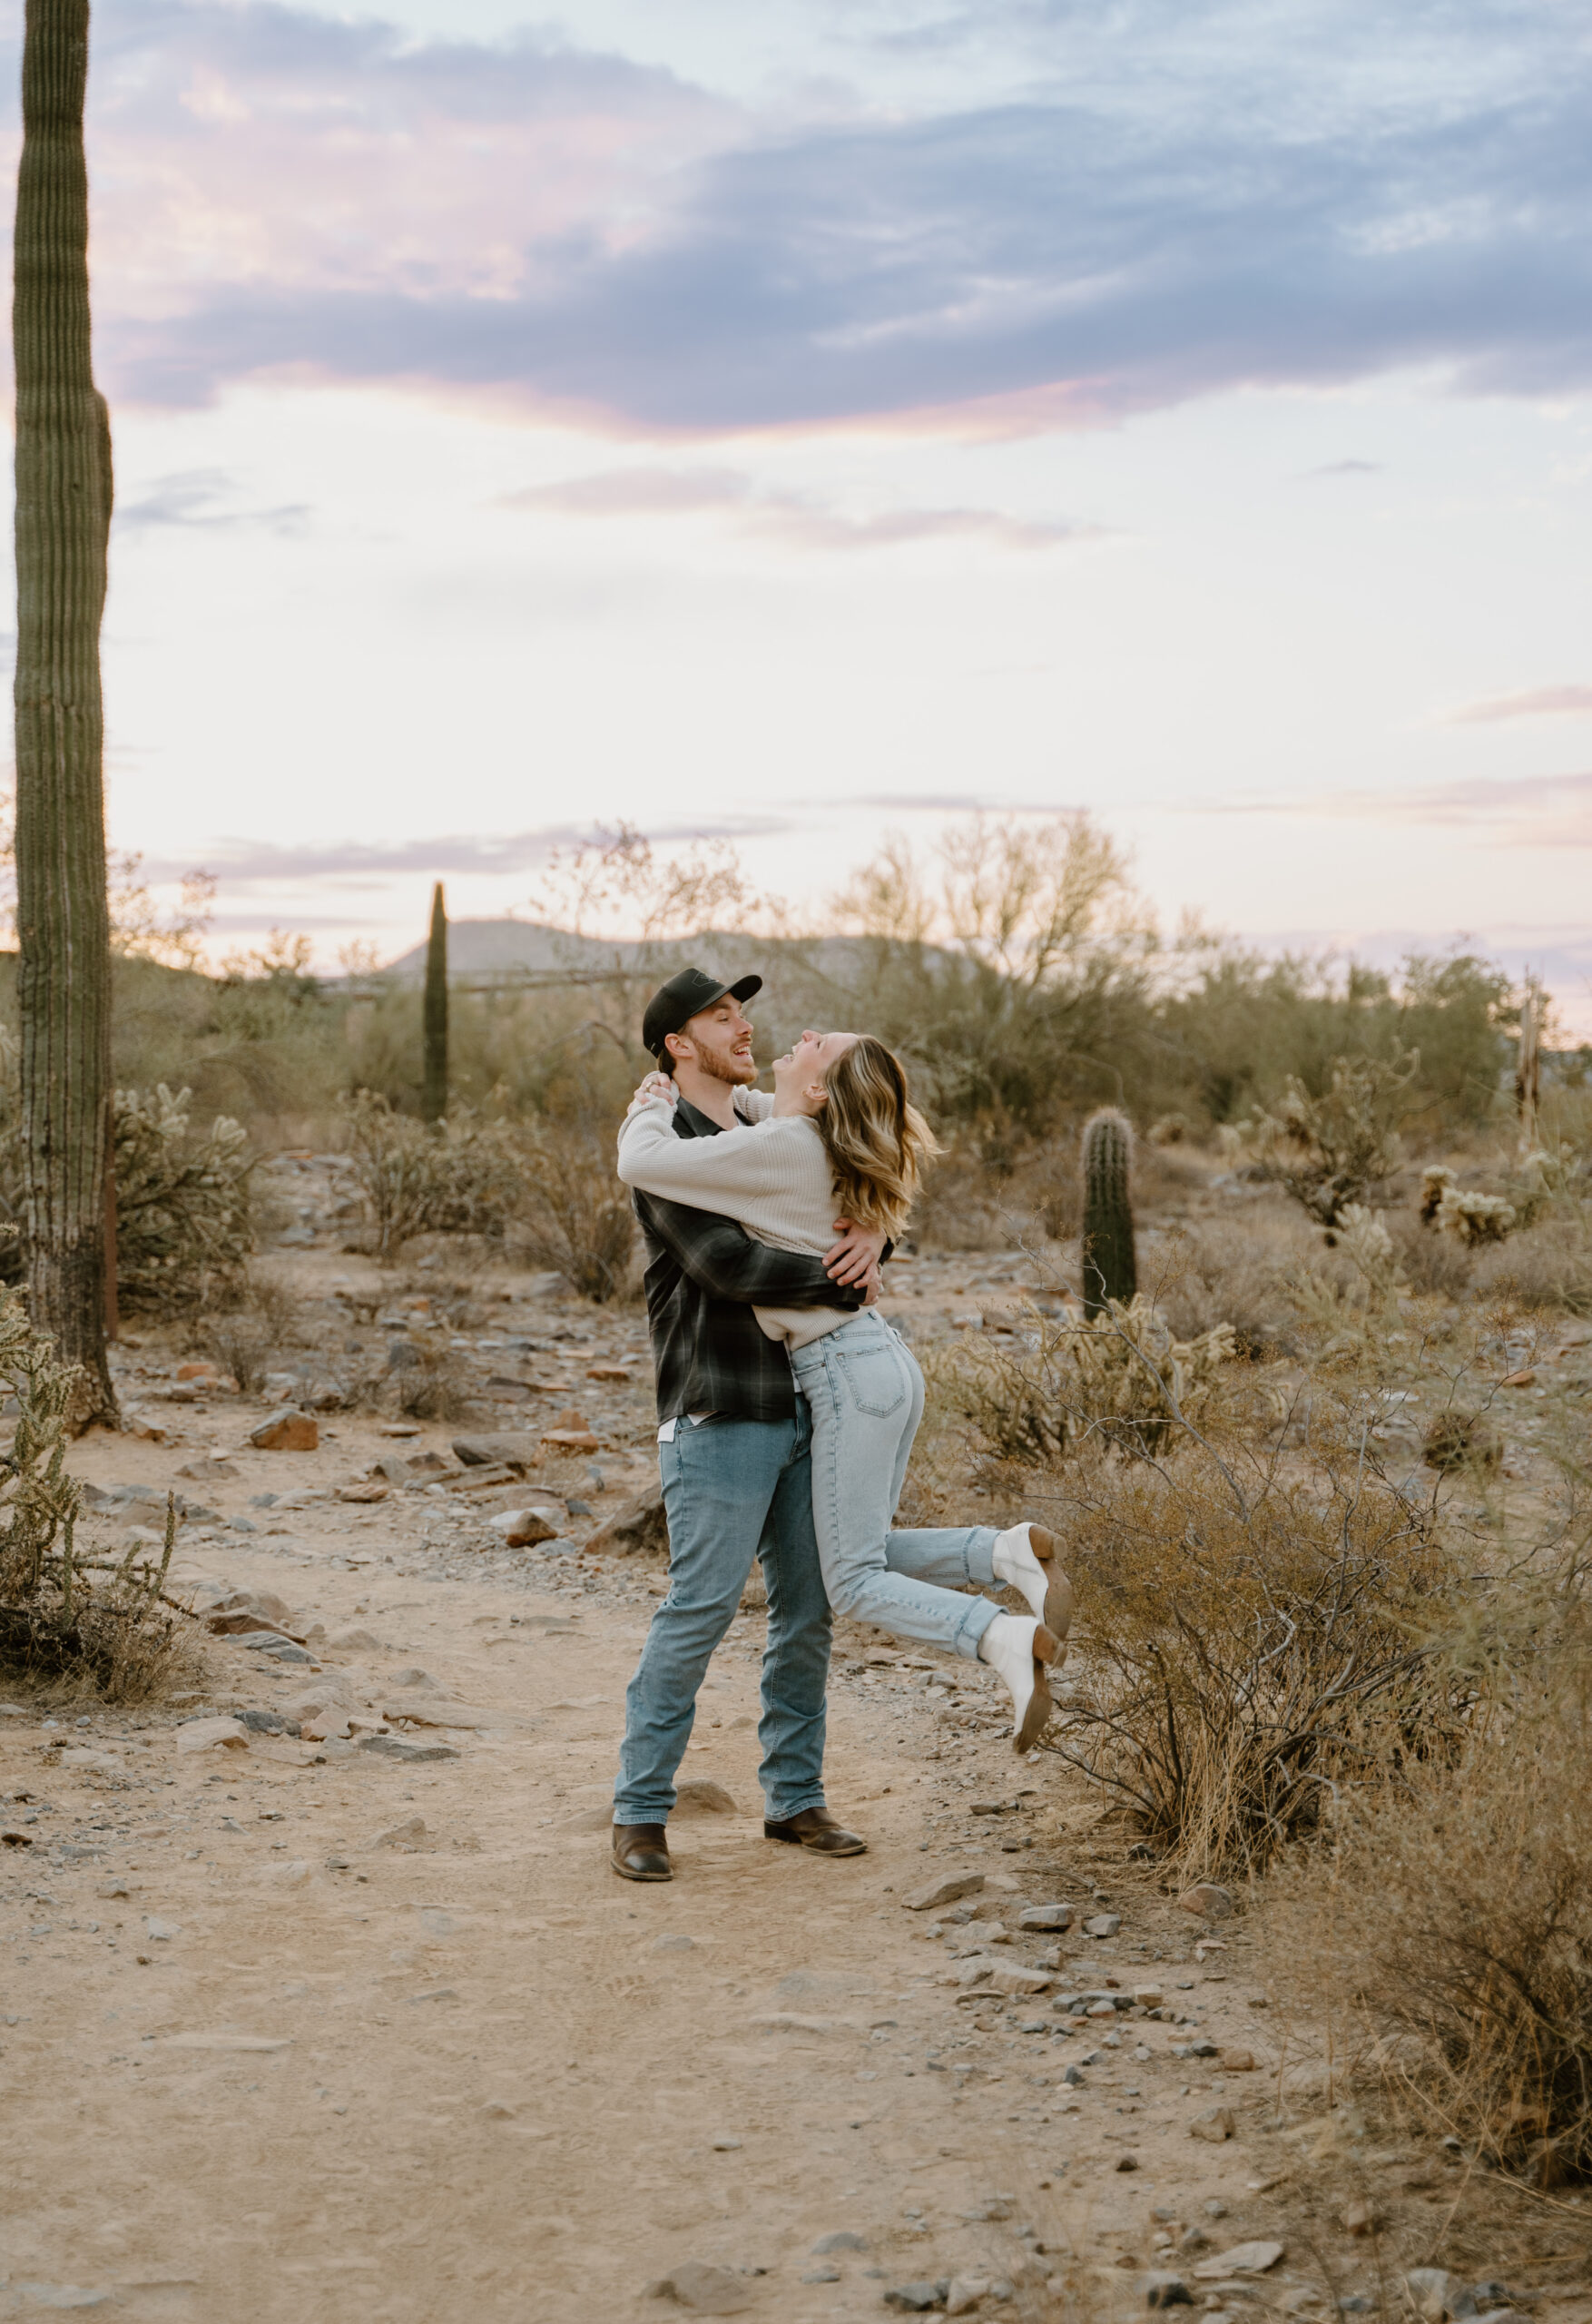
{"x": 256, "y": 2057}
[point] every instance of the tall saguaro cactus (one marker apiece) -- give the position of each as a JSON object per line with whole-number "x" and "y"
{"x": 1110, "y": 1266}
{"x": 62, "y": 526}
{"x": 433, "y": 1015}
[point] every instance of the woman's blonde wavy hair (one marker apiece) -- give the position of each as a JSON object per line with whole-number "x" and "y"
{"x": 877, "y": 1141}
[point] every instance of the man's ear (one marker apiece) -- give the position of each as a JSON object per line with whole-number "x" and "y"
{"x": 678, "y": 1046}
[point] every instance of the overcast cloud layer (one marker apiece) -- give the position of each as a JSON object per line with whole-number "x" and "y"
{"x": 1289, "y": 195}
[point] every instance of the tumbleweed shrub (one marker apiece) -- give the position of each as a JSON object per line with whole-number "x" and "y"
{"x": 1256, "y": 1639}
{"x": 72, "y": 1621}
{"x": 1450, "y": 1930}
{"x": 1060, "y": 1384}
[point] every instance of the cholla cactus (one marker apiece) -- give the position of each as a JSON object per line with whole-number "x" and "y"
{"x": 1474, "y": 1217}
{"x": 1366, "y": 1242}
{"x": 1120, "y": 1376}
{"x": 1330, "y": 1151}
{"x": 1435, "y": 1182}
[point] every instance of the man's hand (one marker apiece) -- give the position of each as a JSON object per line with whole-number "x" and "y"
{"x": 856, "y": 1255}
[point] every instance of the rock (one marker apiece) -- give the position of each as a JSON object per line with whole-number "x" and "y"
{"x": 1103, "y": 1924}
{"x": 946, "y": 1891}
{"x": 369, "y": 1488}
{"x": 822, "y": 2276}
{"x": 355, "y": 1641}
{"x": 727, "y": 2146}
{"x": 240, "y": 1621}
{"x": 704, "y": 2290}
{"x": 1046, "y": 1916}
{"x": 1435, "y": 2294}
{"x": 286, "y": 1432}
{"x": 1207, "y": 1901}
{"x": 1009, "y": 1978}
{"x": 1216, "y": 2124}
{"x": 407, "y": 1834}
{"x": 113, "y": 1889}
{"x": 963, "y": 2294}
{"x": 1238, "y": 2061}
{"x": 1072, "y": 2077}
{"x": 572, "y": 1440}
{"x": 1167, "y": 2291}
{"x": 161, "y": 1932}
{"x": 397, "y": 1428}
{"x": 1148, "y": 1997}
{"x": 640, "y": 1526}
{"x": 521, "y": 1529}
{"x": 1361, "y": 2217}
{"x": 482, "y": 1482}
{"x": 265, "y": 1723}
{"x": 609, "y": 1372}
{"x": 212, "y": 1735}
{"x": 1527, "y": 1379}
{"x": 842, "y": 2239}
{"x": 391, "y": 1747}
{"x": 514, "y": 1449}
{"x": 1127, "y": 2163}
{"x": 393, "y": 1470}
{"x": 700, "y": 1798}
{"x": 572, "y": 1420}
{"x": 291, "y": 1875}
{"x": 916, "y": 2298}
{"x": 203, "y": 1472}
{"x": 1242, "y": 2259}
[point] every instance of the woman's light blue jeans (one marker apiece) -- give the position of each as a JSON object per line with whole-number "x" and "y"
{"x": 865, "y": 1393}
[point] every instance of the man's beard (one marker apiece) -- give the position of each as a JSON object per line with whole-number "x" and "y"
{"x": 725, "y": 1065}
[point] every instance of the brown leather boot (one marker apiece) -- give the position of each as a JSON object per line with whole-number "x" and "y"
{"x": 817, "y": 1829}
{"x": 641, "y": 1852}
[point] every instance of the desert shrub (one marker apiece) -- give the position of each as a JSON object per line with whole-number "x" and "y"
{"x": 462, "y": 1175}
{"x": 1119, "y": 1380}
{"x": 1253, "y": 1642}
{"x": 1454, "y": 1442}
{"x": 1329, "y": 1150}
{"x": 1548, "y": 1264}
{"x": 431, "y": 1381}
{"x": 1455, "y": 1917}
{"x": 1227, "y": 1271}
{"x": 1437, "y": 1264}
{"x": 84, "y": 1621}
{"x": 577, "y": 1216}
{"x": 248, "y": 1336}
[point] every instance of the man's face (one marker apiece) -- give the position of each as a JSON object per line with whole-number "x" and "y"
{"x": 718, "y": 1040}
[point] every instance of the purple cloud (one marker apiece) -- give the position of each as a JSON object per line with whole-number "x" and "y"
{"x": 279, "y": 193}
{"x": 791, "y": 517}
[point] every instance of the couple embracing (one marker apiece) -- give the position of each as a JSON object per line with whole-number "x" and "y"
{"x": 788, "y": 1406}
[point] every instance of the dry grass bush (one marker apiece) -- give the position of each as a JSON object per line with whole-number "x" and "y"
{"x": 247, "y": 1338}
{"x": 1437, "y": 1263}
{"x": 577, "y": 1216}
{"x": 1257, "y": 1639}
{"x": 461, "y": 1176}
{"x": 1232, "y": 1272}
{"x": 1120, "y": 1379}
{"x": 1545, "y": 1266}
{"x": 1453, "y": 1929}
{"x": 70, "y": 1621}
{"x": 431, "y": 1381}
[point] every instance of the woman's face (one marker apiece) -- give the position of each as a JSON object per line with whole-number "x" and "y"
{"x": 801, "y": 1073}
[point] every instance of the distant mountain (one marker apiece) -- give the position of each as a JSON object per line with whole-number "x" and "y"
{"x": 508, "y": 948}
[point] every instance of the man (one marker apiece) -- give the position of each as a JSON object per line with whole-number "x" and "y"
{"x": 733, "y": 1445}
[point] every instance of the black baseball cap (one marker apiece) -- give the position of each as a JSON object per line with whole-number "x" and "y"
{"x": 685, "y": 997}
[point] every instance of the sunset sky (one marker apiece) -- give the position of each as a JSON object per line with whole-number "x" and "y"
{"x": 794, "y": 420}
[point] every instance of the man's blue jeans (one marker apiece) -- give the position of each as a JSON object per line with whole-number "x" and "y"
{"x": 733, "y": 1490}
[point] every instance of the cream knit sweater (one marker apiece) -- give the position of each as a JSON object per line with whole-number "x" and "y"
{"x": 773, "y": 1177}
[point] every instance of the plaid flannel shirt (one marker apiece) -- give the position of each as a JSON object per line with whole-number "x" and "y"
{"x": 703, "y": 1276}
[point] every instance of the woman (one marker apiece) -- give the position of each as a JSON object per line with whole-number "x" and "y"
{"x": 839, "y": 1132}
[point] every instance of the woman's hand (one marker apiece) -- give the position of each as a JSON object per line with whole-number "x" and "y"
{"x": 657, "y": 1085}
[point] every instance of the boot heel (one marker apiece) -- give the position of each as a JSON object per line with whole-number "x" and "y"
{"x": 1046, "y": 1645}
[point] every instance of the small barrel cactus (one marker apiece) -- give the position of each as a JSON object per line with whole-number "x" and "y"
{"x": 1109, "y": 1269}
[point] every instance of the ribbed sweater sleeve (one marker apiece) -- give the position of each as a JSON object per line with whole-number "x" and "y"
{"x": 774, "y": 1177}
